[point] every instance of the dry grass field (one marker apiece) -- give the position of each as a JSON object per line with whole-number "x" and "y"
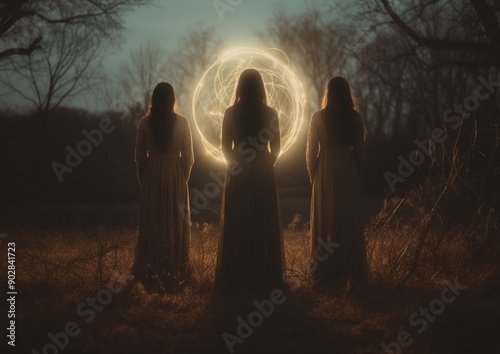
{"x": 65, "y": 274}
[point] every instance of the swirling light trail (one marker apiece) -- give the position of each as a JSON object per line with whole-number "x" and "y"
{"x": 215, "y": 92}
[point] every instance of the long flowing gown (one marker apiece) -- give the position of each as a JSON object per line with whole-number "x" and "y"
{"x": 162, "y": 250}
{"x": 250, "y": 253}
{"x": 338, "y": 248}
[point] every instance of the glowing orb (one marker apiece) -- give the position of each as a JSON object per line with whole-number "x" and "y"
{"x": 215, "y": 93}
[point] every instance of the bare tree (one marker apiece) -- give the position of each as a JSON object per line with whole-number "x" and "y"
{"x": 52, "y": 47}
{"x": 406, "y": 84}
{"x": 150, "y": 64}
{"x": 469, "y": 31}
{"x": 427, "y": 57}
{"x": 63, "y": 68}
{"x": 144, "y": 68}
{"x": 186, "y": 62}
{"x": 314, "y": 45}
{"x": 24, "y": 24}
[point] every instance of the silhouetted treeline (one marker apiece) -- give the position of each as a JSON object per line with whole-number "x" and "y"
{"x": 88, "y": 158}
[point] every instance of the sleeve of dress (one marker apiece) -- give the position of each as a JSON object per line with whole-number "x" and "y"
{"x": 141, "y": 151}
{"x": 312, "y": 147}
{"x": 187, "y": 154}
{"x": 275, "y": 142}
{"x": 226, "y": 139}
{"x": 359, "y": 147}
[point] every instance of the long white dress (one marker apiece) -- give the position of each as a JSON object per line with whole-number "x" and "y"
{"x": 338, "y": 248}
{"x": 162, "y": 250}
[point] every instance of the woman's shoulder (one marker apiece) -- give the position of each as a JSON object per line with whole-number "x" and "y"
{"x": 316, "y": 116}
{"x": 271, "y": 112}
{"x": 228, "y": 114}
{"x": 142, "y": 122}
{"x": 229, "y": 111}
{"x": 318, "y": 113}
{"x": 357, "y": 116}
{"x": 182, "y": 120}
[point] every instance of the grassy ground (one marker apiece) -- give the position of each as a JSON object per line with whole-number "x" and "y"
{"x": 62, "y": 271}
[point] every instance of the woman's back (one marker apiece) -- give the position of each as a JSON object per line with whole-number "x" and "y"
{"x": 164, "y": 157}
{"x": 341, "y": 129}
{"x": 174, "y": 144}
{"x": 334, "y": 153}
{"x": 250, "y": 254}
{"x": 248, "y": 133}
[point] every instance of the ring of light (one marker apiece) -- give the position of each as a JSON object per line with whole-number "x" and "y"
{"x": 215, "y": 92}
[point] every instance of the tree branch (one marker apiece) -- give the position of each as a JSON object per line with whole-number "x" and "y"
{"x": 435, "y": 43}
{"x": 22, "y": 51}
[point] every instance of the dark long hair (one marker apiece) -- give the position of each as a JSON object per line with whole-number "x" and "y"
{"x": 250, "y": 102}
{"x": 162, "y": 114}
{"x": 341, "y": 111}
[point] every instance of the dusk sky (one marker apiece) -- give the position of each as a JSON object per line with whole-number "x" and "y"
{"x": 168, "y": 20}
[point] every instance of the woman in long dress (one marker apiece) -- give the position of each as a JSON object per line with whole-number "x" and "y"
{"x": 334, "y": 154}
{"x": 164, "y": 157}
{"x": 250, "y": 254}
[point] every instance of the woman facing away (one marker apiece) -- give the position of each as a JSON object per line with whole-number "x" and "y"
{"x": 164, "y": 158}
{"x": 250, "y": 254}
{"x": 335, "y": 147}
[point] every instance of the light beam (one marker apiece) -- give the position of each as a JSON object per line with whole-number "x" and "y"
{"x": 215, "y": 93}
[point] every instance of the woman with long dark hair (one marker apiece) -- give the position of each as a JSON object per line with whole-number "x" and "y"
{"x": 250, "y": 253}
{"x": 335, "y": 147}
{"x": 164, "y": 157}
